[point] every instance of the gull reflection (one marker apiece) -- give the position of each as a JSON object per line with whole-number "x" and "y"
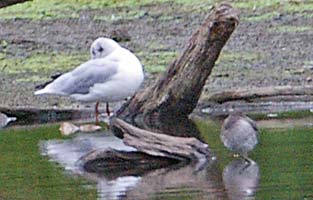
{"x": 68, "y": 152}
{"x": 241, "y": 179}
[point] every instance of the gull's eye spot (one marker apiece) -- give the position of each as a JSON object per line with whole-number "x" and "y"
{"x": 100, "y": 49}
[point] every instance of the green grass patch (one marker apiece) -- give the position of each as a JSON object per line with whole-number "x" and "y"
{"x": 156, "y": 62}
{"x": 257, "y": 4}
{"x": 2, "y": 56}
{"x": 226, "y": 56}
{"x": 37, "y": 65}
{"x": 288, "y": 6}
{"x": 129, "y": 15}
{"x": 291, "y": 29}
{"x": 261, "y": 17}
{"x": 48, "y": 9}
{"x": 52, "y": 9}
{"x": 25, "y": 174}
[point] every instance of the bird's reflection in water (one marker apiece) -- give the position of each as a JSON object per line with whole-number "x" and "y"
{"x": 241, "y": 179}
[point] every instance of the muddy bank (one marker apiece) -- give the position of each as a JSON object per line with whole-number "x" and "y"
{"x": 265, "y": 50}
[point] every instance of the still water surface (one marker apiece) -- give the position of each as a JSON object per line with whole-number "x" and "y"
{"x": 282, "y": 169}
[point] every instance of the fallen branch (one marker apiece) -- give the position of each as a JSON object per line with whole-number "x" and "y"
{"x": 161, "y": 145}
{"x": 269, "y": 93}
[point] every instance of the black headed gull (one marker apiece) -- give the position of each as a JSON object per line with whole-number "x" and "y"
{"x": 113, "y": 74}
{"x": 96, "y": 51}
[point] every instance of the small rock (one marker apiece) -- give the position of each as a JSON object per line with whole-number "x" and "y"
{"x": 272, "y": 115}
{"x": 89, "y": 128}
{"x": 309, "y": 79}
{"x": 67, "y": 128}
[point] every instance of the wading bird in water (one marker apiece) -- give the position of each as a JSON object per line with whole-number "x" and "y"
{"x": 239, "y": 134}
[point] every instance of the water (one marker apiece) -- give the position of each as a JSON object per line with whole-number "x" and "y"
{"x": 282, "y": 168}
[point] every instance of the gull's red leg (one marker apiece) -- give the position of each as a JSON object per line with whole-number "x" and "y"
{"x": 108, "y": 109}
{"x": 97, "y": 112}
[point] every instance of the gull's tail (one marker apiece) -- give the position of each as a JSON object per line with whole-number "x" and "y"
{"x": 39, "y": 92}
{"x": 49, "y": 90}
{"x": 45, "y": 91}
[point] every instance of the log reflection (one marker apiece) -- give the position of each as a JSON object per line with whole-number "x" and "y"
{"x": 181, "y": 181}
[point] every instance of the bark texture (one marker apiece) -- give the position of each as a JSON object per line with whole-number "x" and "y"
{"x": 176, "y": 92}
{"x": 161, "y": 145}
{"x": 5, "y": 3}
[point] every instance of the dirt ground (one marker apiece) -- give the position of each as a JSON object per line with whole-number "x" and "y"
{"x": 273, "y": 51}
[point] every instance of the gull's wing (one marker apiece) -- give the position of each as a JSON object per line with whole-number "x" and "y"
{"x": 253, "y": 124}
{"x": 83, "y": 77}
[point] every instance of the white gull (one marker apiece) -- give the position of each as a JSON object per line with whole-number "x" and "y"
{"x": 112, "y": 75}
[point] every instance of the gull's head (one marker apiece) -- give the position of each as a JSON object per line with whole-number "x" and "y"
{"x": 102, "y": 47}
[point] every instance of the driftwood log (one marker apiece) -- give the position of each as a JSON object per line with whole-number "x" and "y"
{"x": 278, "y": 93}
{"x": 5, "y": 3}
{"x": 161, "y": 145}
{"x": 174, "y": 96}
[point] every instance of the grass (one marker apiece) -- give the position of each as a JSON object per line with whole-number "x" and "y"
{"x": 25, "y": 174}
{"x": 40, "y": 64}
{"x": 289, "y": 6}
{"x": 261, "y": 17}
{"x": 227, "y": 56}
{"x": 53, "y": 9}
{"x": 291, "y": 29}
{"x": 156, "y": 62}
{"x": 48, "y": 9}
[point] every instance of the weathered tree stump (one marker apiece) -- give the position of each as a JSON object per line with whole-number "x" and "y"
{"x": 5, "y": 3}
{"x": 174, "y": 95}
{"x": 177, "y": 91}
